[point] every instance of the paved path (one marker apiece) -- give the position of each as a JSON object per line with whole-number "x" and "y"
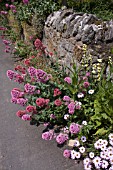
{"x": 21, "y": 146}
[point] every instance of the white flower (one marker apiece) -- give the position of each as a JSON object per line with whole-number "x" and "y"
{"x": 73, "y": 154}
{"x": 87, "y": 167}
{"x": 86, "y": 161}
{"x": 100, "y": 141}
{"x": 110, "y": 136}
{"x": 105, "y": 142}
{"x": 83, "y": 139}
{"x": 97, "y": 145}
{"x": 91, "y": 155}
{"x": 84, "y": 122}
{"x": 91, "y": 91}
{"x": 110, "y": 148}
{"x": 111, "y": 168}
{"x": 80, "y": 95}
{"x": 82, "y": 149}
{"x": 102, "y": 155}
{"x": 77, "y": 143}
{"x": 78, "y": 155}
{"x": 111, "y": 142}
{"x": 110, "y": 154}
{"x": 103, "y": 147}
{"x": 104, "y": 164}
{"x": 97, "y": 161}
{"x": 66, "y": 116}
{"x": 111, "y": 160}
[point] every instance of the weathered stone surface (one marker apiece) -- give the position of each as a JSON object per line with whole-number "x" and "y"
{"x": 67, "y": 31}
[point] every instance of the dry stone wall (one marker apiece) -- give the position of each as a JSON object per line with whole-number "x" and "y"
{"x": 66, "y": 31}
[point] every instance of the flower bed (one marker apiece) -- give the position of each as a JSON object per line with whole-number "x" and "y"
{"x": 75, "y": 109}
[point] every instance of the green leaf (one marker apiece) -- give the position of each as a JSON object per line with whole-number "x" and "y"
{"x": 101, "y": 132}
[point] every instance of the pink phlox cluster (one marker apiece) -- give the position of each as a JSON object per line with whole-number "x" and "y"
{"x": 58, "y": 102}
{"x": 74, "y": 128}
{"x": 78, "y": 105}
{"x": 32, "y": 71}
{"x": 30, "y": 108}
{"x": 67, "y": 153}
{"x": 4, "y": 12}
{"x": 49, "y": 135}
{"x": 68, "y": 80}
{"x": 61, "y": 138}
{"x": 41, "y": 102}
{"x": 57, "y": 92}
{"x": 26, "y": 117}
{"x": 29, "y": 88}
{"x": 22, "y": 101}
{"x": 19, "y": 78}
{"x": 86, "y": 84}
{"x": 16, "y": 93}
{"x": 39, "y": 45}
{"x": 11, "y": 74}
{"x": 6, "y": 42}
{"x": 25, "y": 1}
{"x": 71, "y": 107}
{"x": 42, "y": 76}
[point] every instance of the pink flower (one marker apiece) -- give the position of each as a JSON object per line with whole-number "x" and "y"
{"x": 20, "y": 113}
{"x": 38, "y": 44}
{"x": 52, "y": 116}
{"x": 42, "y": 76}
{"x": 14, "y": 11}
{"x": 25, "y": 1}
{"x": 86, "y": 84}
{"x": 7, "y": 5}
{"x": 74, "y": 128}
{"x": 30, "y": 108}
{"x": 88, "y": 74}
{"x": 48, "y": 135}
{"x": 57, "y": 92}
{"x": 66, "y": 98}
{"x": 47, "y": 101}
{"x": 40, "y": 102}
{"x": 67, "y": 153}
{"x": 19, "y": 78}
{"x": 27, "y": 62}
{"x": 61, "y": 138}
{"x": 22, "y": 101}
{"x": 29, "y": 88}
{"x": 58, "y": 102}
{"x": 10, "y": 74}
{"x": 12, "y": 6}
{"x": 71, "y": 108}
{"x": 6, "y": 42}
{"x": 15, "y": 93}
{"x": 68, "y": 80}
{"x": 14, "y": 100}
{"x": 26, "y": 117}
{"x": 32, "y": 71}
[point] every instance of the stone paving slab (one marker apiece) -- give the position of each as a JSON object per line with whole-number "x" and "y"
{"x": 21, "y": 146}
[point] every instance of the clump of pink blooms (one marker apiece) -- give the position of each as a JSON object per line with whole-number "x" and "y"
{"x": 68, "y": 80}
{"x": 61, "y": 138}
{"x": 74, "y": 128}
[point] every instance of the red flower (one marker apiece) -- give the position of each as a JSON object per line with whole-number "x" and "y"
{"x": 27, "y": 62}
{"x": 57, "y": 92}
{"x": 20, "y": 113}
{"x": 58, "y": 102}
{"x": 40, "y": 102}
{"x": 30, "y": 108}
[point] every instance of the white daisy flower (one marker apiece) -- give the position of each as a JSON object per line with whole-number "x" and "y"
{"x": 78, "y": 155}
{"x": 80, "y": 95}
{"x": 87, "y": 167}
{"x": 86, "y": 161}
{"x": 105, "y": 142}
{"x": 111, "y": 142}
{"x": 110, "y": 136}
{"x": 73, "y": 154}
{"x": 91, "y": 154}
{"x": 111, "y": 161}
{"x": 84, "y": 122}
{"x": 83, "y": 139}
{"x": 66, "y": 116}
{"x": 104, "y": 164}
{"x": 97, "y": 161}
{"x": 91, "y": 91}
{"x": 110, "y": 148}
{"x": 110, "y": 154}
{"x": 82, "y": 149}
{"x": 103, "y": 147}
{"x": 102, "y": 155}
{"x": 77, "y": 143}
{"x": 97, "y": 145}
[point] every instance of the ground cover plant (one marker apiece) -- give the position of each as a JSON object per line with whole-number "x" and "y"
{"x": 73, "y": 107}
